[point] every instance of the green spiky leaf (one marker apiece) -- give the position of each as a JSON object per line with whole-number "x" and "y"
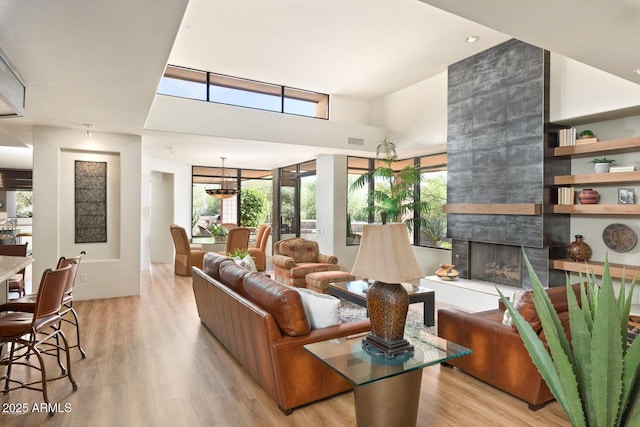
{"x": 595, "y": 378}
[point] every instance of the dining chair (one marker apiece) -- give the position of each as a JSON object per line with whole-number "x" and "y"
{"x": 186, "y": 256}
{"x": 34, "y": 333}
{"x": 259, "y": 247}
{"x": 238, "y": 239}
{"x": 15, "y": 283}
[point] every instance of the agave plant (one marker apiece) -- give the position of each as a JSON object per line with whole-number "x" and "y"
{"x": 396, "y": 196}
{"x": 595, "y": 376}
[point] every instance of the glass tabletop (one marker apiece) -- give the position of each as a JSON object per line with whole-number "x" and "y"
{"x": 360, "y": 287}
{"x": 348, "y": 358}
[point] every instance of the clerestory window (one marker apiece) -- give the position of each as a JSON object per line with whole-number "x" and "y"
{"x": 218, "y": 88}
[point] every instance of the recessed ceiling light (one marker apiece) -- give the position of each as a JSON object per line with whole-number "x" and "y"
{"x": 471, "y": 39}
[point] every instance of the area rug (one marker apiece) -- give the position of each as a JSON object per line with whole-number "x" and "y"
{"x": 350, "y": 312}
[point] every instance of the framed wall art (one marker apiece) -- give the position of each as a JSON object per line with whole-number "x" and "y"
{"x": 90, "y": 202}
{"x": 626, "y": 196}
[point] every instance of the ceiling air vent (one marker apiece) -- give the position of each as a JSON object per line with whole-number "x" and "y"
{"x": 355, "y": 141}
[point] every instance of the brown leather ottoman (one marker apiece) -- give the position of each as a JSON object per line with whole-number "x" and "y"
{"x": 319, "y": 281}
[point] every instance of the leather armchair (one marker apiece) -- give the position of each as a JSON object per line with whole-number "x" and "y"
{"x": 258, "y": 250}
{"x": 499, "y": 356}
{"x": 294, "y": 258}
{"x": 186, "y": 256}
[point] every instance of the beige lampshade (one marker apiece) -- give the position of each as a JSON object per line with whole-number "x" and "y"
{"x": 385, "y": 254}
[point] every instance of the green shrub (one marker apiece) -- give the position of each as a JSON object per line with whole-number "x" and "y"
{"x": 253, "y": 207}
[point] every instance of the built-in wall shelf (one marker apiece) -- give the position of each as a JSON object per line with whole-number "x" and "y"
{"x": 494, "y": 208}
{"x": 597, "y": 209}
{"x": 612, "y": 146}
{"x": 598, "y": 178}
{"x": 618, "y": 271}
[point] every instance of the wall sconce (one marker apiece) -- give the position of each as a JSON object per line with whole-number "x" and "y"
{"x": 87, "y": 132}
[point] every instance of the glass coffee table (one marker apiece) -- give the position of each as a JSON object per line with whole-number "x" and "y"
{"x": 355, "y": 292}
{"x": 387, "y": 391}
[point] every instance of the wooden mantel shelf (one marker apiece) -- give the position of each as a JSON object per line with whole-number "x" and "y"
{"x": 597, "y": 209}
{"x": 617, "y": 270}
{"x": 598, "y": 178}
{"x": 494, "y": 208}
{"x": 622, "y": 145}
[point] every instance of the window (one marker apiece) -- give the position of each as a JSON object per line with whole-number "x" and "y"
{"x": 433, "y": 190}
{"x": 24, "y": 204}
{"x": 256, "y": 197}
{"x": 212, "y": 87}
{"x": 297, "y": 201}
{"x": 432, "y": 230}
{"x": 357, "y": 213}
{"x": 244, "y": 93}
{"x": 252, "y": 207}
{"x": 184, "y": 83}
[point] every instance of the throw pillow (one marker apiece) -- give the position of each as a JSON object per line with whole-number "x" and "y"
{"x": 246, "y": 262}
{"x": 506, "y": 318}
{"x": 322, "y": 310}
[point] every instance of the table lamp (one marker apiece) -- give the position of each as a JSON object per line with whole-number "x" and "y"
{"x": 385, "y": 256}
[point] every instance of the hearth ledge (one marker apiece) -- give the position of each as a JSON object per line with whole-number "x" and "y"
{"x": 469, "y": 295}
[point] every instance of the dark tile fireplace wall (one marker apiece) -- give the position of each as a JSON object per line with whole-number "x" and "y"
{"x": 498, "y": 151}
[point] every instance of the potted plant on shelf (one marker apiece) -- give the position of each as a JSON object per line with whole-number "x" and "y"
{"x": 596, "y": 376}
{"x": 219, "y": 232}
{"x": 394, "y": 194}
{"x": 586, "y": 134}
{"x": 602, "y": 164}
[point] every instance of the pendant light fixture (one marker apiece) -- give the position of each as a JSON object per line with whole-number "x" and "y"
{"x": 225, "y": 188}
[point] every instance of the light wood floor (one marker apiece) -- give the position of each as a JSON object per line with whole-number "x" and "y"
{"x": 151, "y": 363}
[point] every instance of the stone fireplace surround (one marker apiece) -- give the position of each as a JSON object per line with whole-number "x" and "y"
{"x": 498, "y": 139}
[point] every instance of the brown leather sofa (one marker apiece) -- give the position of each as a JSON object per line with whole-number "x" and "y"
{"x": 498, "y": 356}
{"x": 264, "y": 325}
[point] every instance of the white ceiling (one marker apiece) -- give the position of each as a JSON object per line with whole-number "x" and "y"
{"x": 100, "y": 61}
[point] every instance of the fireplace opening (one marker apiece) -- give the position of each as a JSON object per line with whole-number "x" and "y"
{"x": 500, "y": 264}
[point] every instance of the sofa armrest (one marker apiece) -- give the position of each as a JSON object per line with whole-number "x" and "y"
{"x": 327, "y": 259}
{"x": 283, "y": 261}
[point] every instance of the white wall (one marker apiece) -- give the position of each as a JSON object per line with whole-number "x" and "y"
{"x": 578, "y": 90}
{"x": 179, "y": 211}
{"x": 113, "y": 268}
{"x": 348, "y": 110}
{"x": 10, "y": 204}
{"x": 173, "y": 114}
{"x": 161, "y": 213}
{"x": 416, "y": 116}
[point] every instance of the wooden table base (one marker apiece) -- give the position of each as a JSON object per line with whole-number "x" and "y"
{"x": 389, "y": 402}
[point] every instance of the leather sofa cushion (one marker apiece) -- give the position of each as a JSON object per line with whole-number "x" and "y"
{"x": 211, "y": 264}
{"x": 558, "y": 297}
{"x": 232, "y": 275}
{"x": 282, "y": 302}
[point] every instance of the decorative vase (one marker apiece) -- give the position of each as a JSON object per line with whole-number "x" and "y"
{"x": 588, "y": 196}
{"x": 579, "y": 250}
{"x": 602, "y": 167}
{"x": 447, "y": 272}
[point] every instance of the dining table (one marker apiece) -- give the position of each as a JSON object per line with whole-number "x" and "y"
{"x": 10, "y": 265}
